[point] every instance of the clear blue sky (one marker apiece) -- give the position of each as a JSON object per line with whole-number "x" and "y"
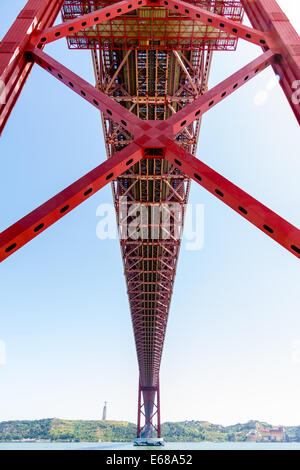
{"x": 232, "y": 350}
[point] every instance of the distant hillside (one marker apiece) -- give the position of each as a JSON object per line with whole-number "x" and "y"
{"x": 122, "y": 431}
{"x": 204, "y": 431}
{"x": 65, "y": 430}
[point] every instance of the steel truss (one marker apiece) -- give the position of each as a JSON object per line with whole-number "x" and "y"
{"x": 151, "y": 134}
{"x": 154, "y": 27}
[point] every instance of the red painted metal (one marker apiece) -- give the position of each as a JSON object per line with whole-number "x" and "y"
{"x": 148, "y": 411}
{"x": 14, "y": 66}
{"x": 45, "y": 215}
{"x": 152, "y": 93}
{"x": 90, "y": 19}
{"x": 266, "y": 220}
{"x": 266, "y": 15}
{"x": 217, "y": 21}
{"x": 162, "y": 29}
{"x": 221, "y": 91}
{"x": 158, "y": 410}
{"x": 86, "y": 91}
{"x": 139, "y": 410}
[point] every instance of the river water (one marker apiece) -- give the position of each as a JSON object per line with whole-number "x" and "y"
{"x": 168, "y": 446}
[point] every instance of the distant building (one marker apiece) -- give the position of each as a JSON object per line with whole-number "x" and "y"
{"x": 104, "y": 411}
{"x": 273, "y": 435}
{"x": 266, "y": 435}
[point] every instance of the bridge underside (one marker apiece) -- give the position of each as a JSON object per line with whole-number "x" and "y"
{"x": 153, "y": 62}
{"x": 150, "y": 197}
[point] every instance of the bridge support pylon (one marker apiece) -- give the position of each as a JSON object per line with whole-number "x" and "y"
{"x": 148, "y": 420}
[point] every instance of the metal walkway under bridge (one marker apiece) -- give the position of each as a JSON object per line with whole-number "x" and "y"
{"x": 152, "y": 60}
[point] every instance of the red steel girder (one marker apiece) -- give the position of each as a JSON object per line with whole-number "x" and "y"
{"x": 14, "y": 67}
{"x": 148, "y": 408}
{"x": 283, "y": 35}
{"x": 97, "y": 98}
{"x": 156, "y": 134}
{"x": 218, "y": 21}
{"x": 90, "y": 19}
{"x": 160, "y": 134}
{"x": 259, "y": 215}
{"x": 273, "y": 225}
{"x": 266, "y": 15}
{"x": 221, "y": 91}
{"x": 271, "y": 29}
{"x": 166, "y": 33}
{"x": 55, "y": 208}
{"x": 149, "y": 307}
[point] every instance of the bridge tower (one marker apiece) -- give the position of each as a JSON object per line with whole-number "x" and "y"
{"x": 152, "y": 60}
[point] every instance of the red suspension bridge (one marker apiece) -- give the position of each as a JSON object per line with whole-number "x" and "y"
{"x": 152, "y": 61}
